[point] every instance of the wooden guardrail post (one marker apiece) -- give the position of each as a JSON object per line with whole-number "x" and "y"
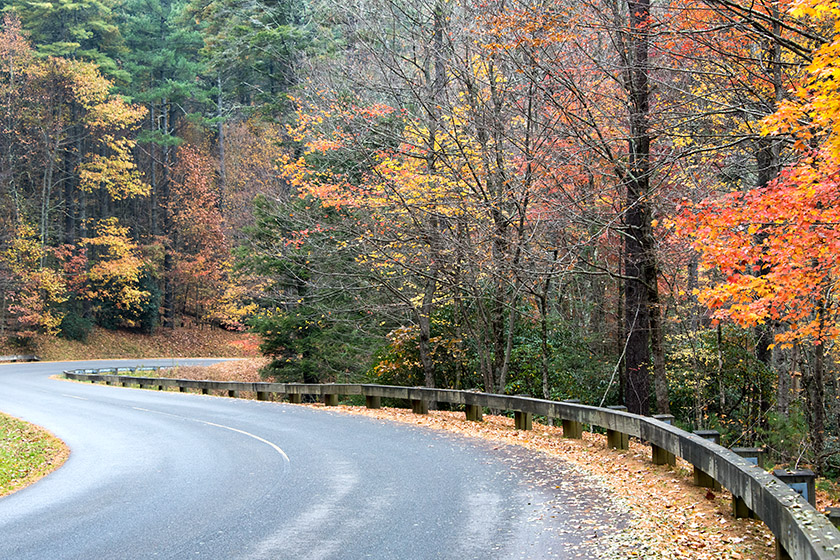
{"x": 572, "y": 429}
{"x": 419, "y": 406}
{"x": 703, "y": 479}
{"x": 523, "y": 420}
{"x": 802, "y": 482}
{"x": 373, "y": 401}
{"x": 834, "y": 516}
{"x": 330, "y": 399}
{"x": 755, "y": 456}
{"x": 616, "y": 439}
{"x": 660, "y": 456}
{"x": 233, "y": 393}
{"x": 295, "y": 398}
{"x": 474, "y": 412}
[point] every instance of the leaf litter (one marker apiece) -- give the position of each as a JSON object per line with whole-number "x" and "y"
{"x": 669, "y": 518}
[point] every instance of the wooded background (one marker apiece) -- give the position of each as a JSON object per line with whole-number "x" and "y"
{"x": 616, "y": 201}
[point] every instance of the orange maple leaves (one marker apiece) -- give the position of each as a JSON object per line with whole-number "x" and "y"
{"x": 779, "y": 247}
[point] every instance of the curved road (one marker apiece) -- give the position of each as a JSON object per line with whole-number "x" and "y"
{"x": 170, "y": 475}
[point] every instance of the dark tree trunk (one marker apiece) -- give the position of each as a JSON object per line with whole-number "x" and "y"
{"x": 639, "y": 263}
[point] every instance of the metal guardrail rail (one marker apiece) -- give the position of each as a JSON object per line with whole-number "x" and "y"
{"x": 802, "y": 533}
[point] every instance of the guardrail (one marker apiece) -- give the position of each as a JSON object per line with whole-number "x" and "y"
{"x": 802, "y": 533}
{"x": 20, "y": 358}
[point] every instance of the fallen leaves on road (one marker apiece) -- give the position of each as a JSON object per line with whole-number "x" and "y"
{"x": 671, "y": 517}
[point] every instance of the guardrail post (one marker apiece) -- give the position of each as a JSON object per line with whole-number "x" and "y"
{"x": 295, "y": 398}
{"x": 205, "y": 391}
{"x": 182, "y": 389}
{"x": 419, "y": 406}
{"x": 233, "y": 393}
{"x": 523, "y": 420}
{"x": 572, "y": 429}
{"x": 660, "y": 456}
{"x": 330, "y": 399}
{"x": 474, "y": 412}
{"x": 616, "y": 439}
{"x": 372, "y": 401}
{"x": 781, "y": 553}
{"x": 701, "y": 478}
{"x": 262, "y": 396}
{"x": 802, "y": 482}
{"x": 755, "y": 456}
{"x": 834, "y": 516}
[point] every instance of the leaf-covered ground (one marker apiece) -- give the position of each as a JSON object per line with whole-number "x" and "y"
{"x": 27, "y": 453}
{"x": 672, "y": 518}
{"x": 175, "y": 343}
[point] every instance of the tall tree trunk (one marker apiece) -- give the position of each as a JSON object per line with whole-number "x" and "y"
{"x": 169, "y": 248}
{"x": 435, "y": 78}
{"x": 424, "y": 320}
{"x": 657, "y": 347}
{"x": 814, "y": 383}
{"x": 640, "y": 267}
{"x": 221, "y": 140}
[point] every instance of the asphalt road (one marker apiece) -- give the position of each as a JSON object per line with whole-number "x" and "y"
{"x": 170, "y": 475}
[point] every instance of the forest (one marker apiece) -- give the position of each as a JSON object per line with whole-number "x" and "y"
{"x": 623, "y": 202}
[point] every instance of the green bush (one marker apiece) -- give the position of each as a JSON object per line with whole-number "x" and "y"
{"x": 75, "y": 326}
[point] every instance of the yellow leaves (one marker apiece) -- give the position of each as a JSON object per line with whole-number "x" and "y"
{"x": 115, "y": 273}
{"x": 114, "y": 112}
{"x": 117, "y": 173}
{"x": 41, "y": 290}
{"x": 25, "y": 250}
{"x": 817, "y": 9}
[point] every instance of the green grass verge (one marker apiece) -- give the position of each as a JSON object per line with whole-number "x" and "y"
{"x": 27, "y": 453}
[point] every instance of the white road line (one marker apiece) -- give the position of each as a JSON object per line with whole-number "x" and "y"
{"x": 243, "y": 432}
{"x": 74, "y": 397}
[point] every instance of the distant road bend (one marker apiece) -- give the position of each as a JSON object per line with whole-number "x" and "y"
{"x": 176, "y": 476}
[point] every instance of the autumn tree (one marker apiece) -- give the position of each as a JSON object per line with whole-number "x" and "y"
{"x": 201, "y": 259}
{"x": 775, "y": 245}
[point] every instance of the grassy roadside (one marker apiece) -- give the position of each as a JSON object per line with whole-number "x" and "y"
{"x": 27, "y": 453}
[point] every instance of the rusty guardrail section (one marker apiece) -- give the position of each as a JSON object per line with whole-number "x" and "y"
{"x": 802, "y": 533}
